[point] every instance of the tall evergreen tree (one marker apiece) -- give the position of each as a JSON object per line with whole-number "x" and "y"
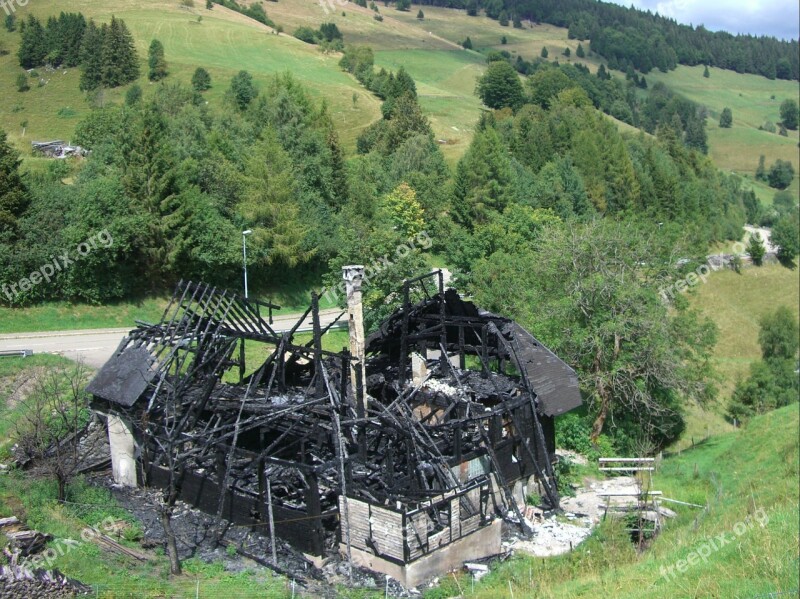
{"x": 120, "y": 61}
{"x": 726, "y": 118}
{"x": 92, "y": 56}
{"x": 761, "y": 169}
{"x": 696, "y": 136}
{"x": 201, "y": 80}
{"x": 242, "y": 89}
{"x": 156, "y": 61}
{"x": 14, "y": 197}
{"x": 33, "y": 45}
{"x": 483, "y": 180}
{"x": 756, "y": 249}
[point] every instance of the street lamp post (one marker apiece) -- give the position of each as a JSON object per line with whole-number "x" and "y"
{"x": 244, "y": 257}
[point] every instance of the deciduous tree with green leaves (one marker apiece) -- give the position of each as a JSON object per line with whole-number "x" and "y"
{"x": 789, "y": 113}
{"x": 773, "y": 381}
{"x": 589, "y": 291}
{"x": 500, "y": 87}
{"x": 786, "y": 235}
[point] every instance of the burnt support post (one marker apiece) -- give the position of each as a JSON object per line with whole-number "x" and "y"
{"x": 403, "y": 365}
{"x": 271, "y": 523}
{"x": 314, "y": 513}
{"x": 353, "y": 276}
{"x": 485, "y": 351}
{"x": 442, "y": 320}
{"x": 320, "y": 383}
{"x": 462, "y": 359}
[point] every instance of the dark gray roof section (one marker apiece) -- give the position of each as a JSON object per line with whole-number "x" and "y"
{"x": 553, "y": 381}
{"x": 124, "y": 378}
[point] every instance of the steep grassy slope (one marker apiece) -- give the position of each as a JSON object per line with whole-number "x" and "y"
{"x": 735, "y": 302}
{"x": 742, "y": 545}
{"x": 753, "y": 100}
{"x": 223, "y": 42}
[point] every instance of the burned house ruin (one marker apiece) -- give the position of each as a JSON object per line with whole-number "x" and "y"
{"x": 400, "y": 452}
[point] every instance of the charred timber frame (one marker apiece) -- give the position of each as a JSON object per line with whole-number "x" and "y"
{"x": 316, "y": 428}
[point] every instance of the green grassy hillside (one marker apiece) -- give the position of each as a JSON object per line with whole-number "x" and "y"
{"x": 224, "y": 42}
{"x": 753, "y": 100}
{"x": 736, "y": 302}
{"x": 743, "y": 545}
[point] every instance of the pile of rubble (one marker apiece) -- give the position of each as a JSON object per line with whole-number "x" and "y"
{"x": 18, "y": 581}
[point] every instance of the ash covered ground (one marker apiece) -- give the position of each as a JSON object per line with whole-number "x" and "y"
{"x": 195, "y": 536}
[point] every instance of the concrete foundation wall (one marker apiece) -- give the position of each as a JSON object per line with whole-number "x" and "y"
{"x": 123, "y": 458}
{"x": 484, "y": 541}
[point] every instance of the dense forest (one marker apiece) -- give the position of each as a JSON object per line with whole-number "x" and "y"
{"x": 627, "y": 36}
{"x": 106, "y": 53}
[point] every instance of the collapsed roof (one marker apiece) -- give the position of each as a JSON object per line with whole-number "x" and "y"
{"x": 311, "y": 427}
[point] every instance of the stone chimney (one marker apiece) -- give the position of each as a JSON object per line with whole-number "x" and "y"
{"x": 353, "y": 276}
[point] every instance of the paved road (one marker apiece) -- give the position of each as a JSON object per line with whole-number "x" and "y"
{"x": 95, "y": 346}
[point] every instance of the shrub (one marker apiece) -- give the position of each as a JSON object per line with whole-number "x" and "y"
{"x": 22, "y": 83}
{"x": 780, "y": 174}
{"x": 306, "y": 34}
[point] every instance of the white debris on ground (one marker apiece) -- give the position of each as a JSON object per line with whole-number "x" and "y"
{"x": 588, "y": 502}
{"x": 765, "y": 235}
{"x": 557, "y": 534}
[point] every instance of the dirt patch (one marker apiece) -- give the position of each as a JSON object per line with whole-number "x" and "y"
{"x": 18, "y": 388}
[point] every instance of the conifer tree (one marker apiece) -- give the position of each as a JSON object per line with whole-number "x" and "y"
{"x": 761, "y": 170}
{"x": 22, "y": 83}
{"x": 580, "y": 53}
{"x": 726, "y": 118}
{"x": 91, "y": 57}
{"x": 156, "y": 61}
{"x": 120, "y": 61}
{"x": 13, "y": 193}
{"x": 33, "y": 45}
{"x": 201, "y": 80}
{"x": 755, "y": 247}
